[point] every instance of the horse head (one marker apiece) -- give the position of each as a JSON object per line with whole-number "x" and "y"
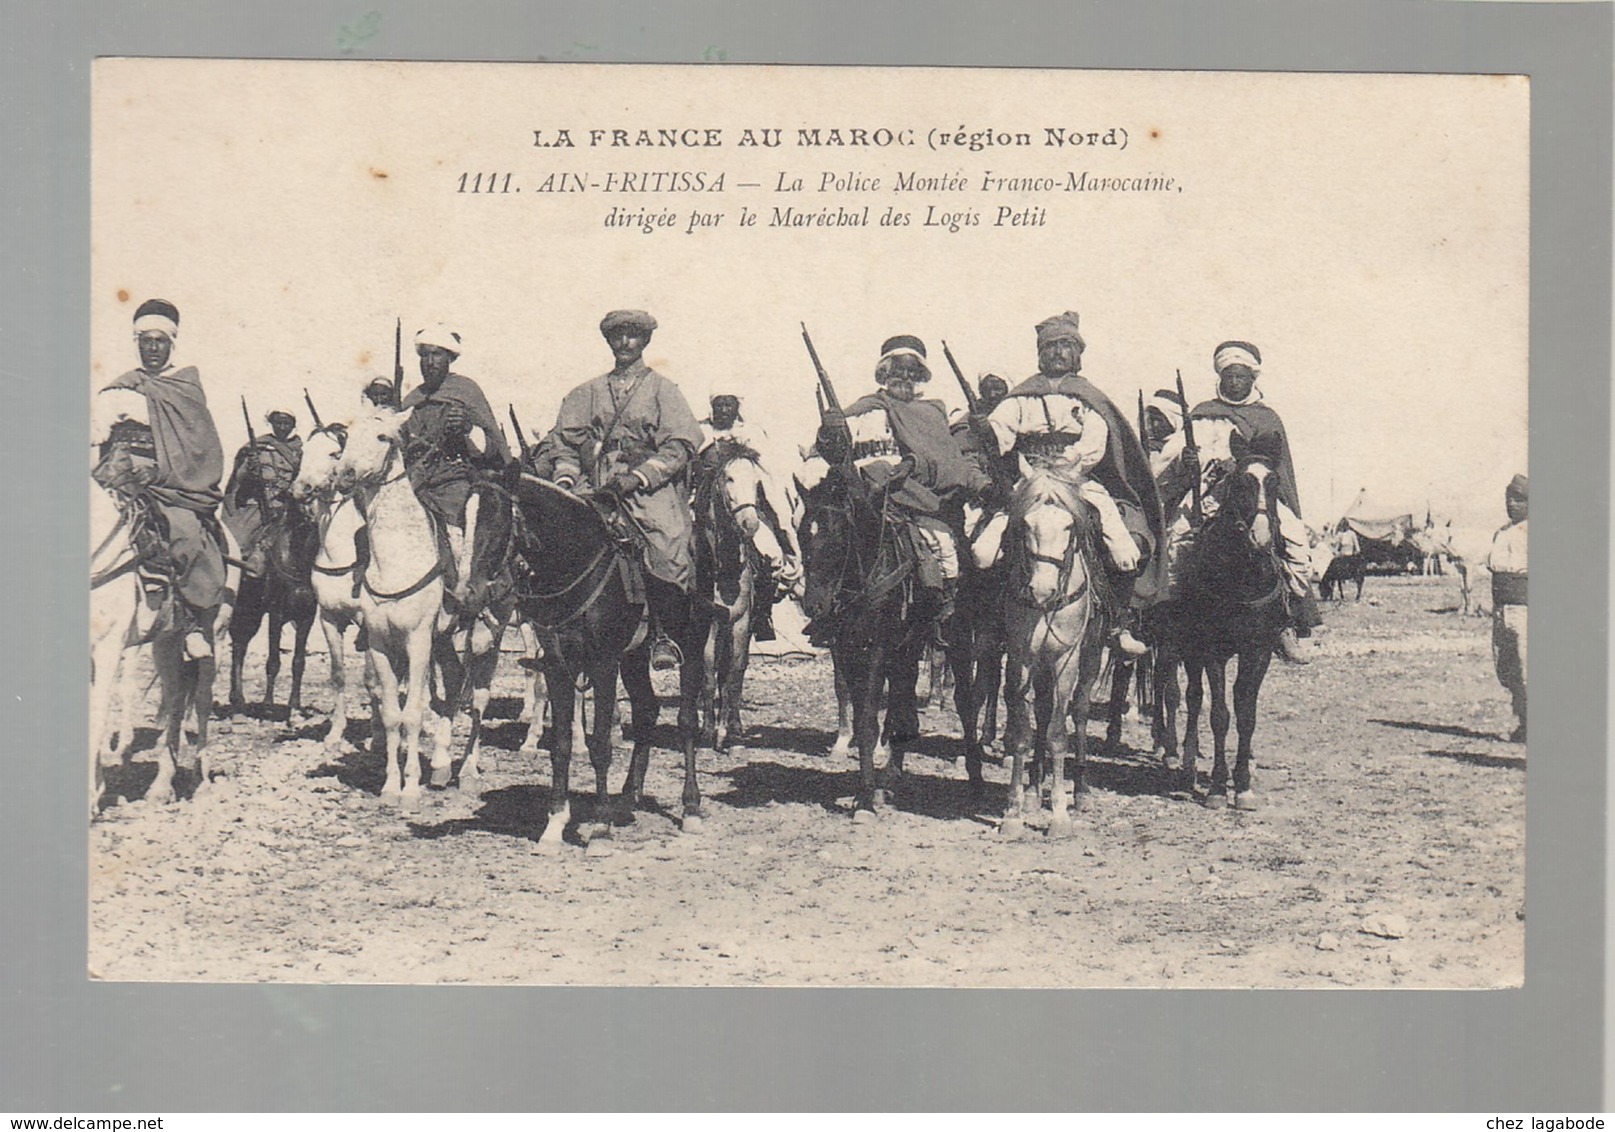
{"x": 1249, "y": 505}
{"x": 316, "y": 473}
{"x": 1047, "y": 514}
{"x": 372, "y": 446}
{"x": 737, "y": 487}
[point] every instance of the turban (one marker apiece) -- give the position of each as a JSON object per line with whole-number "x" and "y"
{"x": 440, "y": 336}
{"x": 273, "y": 413}
{"x": 1058, "y": 327}
{"x": 1237, "y": 354}
{"x": 627, "y": 320}
{"x": 159, "y": 315}
{"x": 1167, "y": 403}
{"x": 903, "y": 346}
{"x": 1519, "y": 487}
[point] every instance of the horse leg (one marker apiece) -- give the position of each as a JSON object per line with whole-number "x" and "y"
{"x": 844, "y": 708}
{"x": 563, "y": 703}
{"x": 243, "y": 626}
{"x": 862, "y": 673}
{"x": 1017, "y": 735}
{"x": 1168, "y": 696}
{"x": 992, "y": 663}
{"x": 604, "y": 680}
{"x": 902, "y": 711}
{"x": 415, "y": 703}
{"x": 447, "y": 662}
{"x": 713, "y": 647}
{"x": 1194, "y": 698}
{"x": 1217, "y": 678}
{"x": 332, "y": 629}
{"x": 479, "y": 678}
{"x": 1120, "y": 679}
{"x": 734, "y": 680}
{"x": 168, "y": 656}
{"x": 199, "y": 698}
{"x": 1253, "y": 665}
{"x": 107, "y": 660}
{"x": 961, "y": 659}
{"x": 300, "y": 629}
{"x": 277, "y": 623}
{"x": 636, "y": 681}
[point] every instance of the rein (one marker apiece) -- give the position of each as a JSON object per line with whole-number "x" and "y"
{"x": 1066, "y": 565}
{"x": 432, "y": 575}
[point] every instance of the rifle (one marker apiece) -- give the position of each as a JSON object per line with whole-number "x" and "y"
{"x": 827, "y": 392}
{"x": 970, "y": 394}
{"x": 521, "y": 436}
{"x": 1189, "y": 444}
{"x": 398, "y": 360}
{"x": 315, "y": 413}
{"x": 257, "y": 453}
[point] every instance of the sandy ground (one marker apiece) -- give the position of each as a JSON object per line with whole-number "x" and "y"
{"x": 1390, "y": 801}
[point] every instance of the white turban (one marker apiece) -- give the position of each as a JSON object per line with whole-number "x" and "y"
{"x": 157, "y": 322}
{"x": 1233, "y": 354}
{"x": 438, "y": 335}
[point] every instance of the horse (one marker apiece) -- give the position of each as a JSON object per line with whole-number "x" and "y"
{"x": 728, "y": 499}
{"x": 975, "y": 649}
{"x": 283, "y": 593}
{"x": 332, "y": 573}
{"x": 860, "y": 565}
{"x": 535, "y": 692}
{"x": 408, "y": 629}
{"x": 1342, "y": 568}
{"x": 1233, "y": 603}
{"x": 132, "y": 604}
{"x": 1056, "y": 633}
{"x": 578, "y": 581}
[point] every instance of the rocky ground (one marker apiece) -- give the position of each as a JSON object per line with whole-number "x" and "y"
{"x": 1389, "y": 851}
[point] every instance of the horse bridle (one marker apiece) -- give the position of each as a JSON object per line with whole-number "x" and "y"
{"x": 1066, "y": 563}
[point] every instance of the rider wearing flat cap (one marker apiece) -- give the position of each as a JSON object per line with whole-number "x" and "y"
{"x": 1059, "y": 422}
{"x": 1238, "y": 409}
{"x": 260, "y": 485}
{"x": 159, "y": 442}
{"x": 892, "y": 425}
{"x": 455, "y": 453}
{"x": 1507, "y": 562}
{"x": 630, "y": 435}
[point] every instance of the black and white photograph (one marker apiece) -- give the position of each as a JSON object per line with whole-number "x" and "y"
{"x": 664, "y": 525}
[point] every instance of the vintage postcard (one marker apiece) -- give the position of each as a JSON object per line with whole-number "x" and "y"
{"x": 1146, "y": 452}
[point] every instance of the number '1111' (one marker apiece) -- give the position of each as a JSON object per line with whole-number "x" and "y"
{"x": 495, "y": 183}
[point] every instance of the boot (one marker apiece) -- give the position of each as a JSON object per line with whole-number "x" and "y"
{"x": 196, "y": 645}
{"x": 1289, "y": 648}
{"x": 762, "y": 621}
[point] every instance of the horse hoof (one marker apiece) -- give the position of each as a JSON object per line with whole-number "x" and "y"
{"x": 410, "y": 803}
{"x": 598, "y": 848}
{"x": 1011, "y": 829}
{"x": 547, "y": 848}
{"x": 1246, "y": 800}
{"x": 841, "y": 750}
{"x": 1060, "y": 827}
{"x": 1082, "y": 802}
{"x": 863, "y": 817}
{"x": 390, "y": 795}
{"x": 471, "y": 784}
{"x": 692, "y": 823}
{"x": 441, "y": 775}
{"x": 1216, "y": 801}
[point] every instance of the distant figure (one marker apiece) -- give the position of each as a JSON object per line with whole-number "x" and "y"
{"x": 381, "y": 393}
{"x": 1507, "y": 564}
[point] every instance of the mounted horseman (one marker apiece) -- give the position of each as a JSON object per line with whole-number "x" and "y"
{"x": 629, "y": 436}
{"x": 725, "y": 431}
{"x": 259, "y": 492}
{"x": 1239, "y": 408}
{"x": 163, "y": 448}
{"x": 1059, "y": 422}
{"x": 458, "y": 462}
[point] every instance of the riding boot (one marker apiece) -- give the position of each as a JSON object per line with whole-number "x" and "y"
{"x": 1126, "y": 642}
{"x": 1122, "y": 586}
{"x": 764, "y": 593}
{"x": 197, "y": 646}
{"x": 667, "y": 615}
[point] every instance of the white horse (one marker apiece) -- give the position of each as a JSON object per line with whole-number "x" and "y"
{"x": 1055, "y": 640}
{"x": 334, "y": 582}
{"x": 407, "y": 626}
{"x": 122, "y": 620}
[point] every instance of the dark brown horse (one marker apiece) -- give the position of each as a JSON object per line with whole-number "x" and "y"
{"x": 284, "y": 593}
{"x": 1233, "y": 605}
{"x": 578, "y": 583}
{"x": 860, "y": 595}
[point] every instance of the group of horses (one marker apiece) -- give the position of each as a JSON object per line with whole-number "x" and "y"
{"x": 572, "y": 585}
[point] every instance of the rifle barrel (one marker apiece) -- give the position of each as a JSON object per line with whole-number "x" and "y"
{"x": 970, "y": 394}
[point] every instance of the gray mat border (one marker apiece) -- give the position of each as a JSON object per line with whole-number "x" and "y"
{"x": 72, "y": 1046}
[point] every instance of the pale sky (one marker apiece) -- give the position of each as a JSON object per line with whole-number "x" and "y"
{"x": 1368, "y": 233}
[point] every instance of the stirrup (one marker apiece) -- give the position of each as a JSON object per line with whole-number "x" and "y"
{"x": 1130, "y": 645}
{"x": 665, "y": 654}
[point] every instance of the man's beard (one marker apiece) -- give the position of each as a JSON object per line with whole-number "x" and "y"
{"x": 901, "y": 388}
